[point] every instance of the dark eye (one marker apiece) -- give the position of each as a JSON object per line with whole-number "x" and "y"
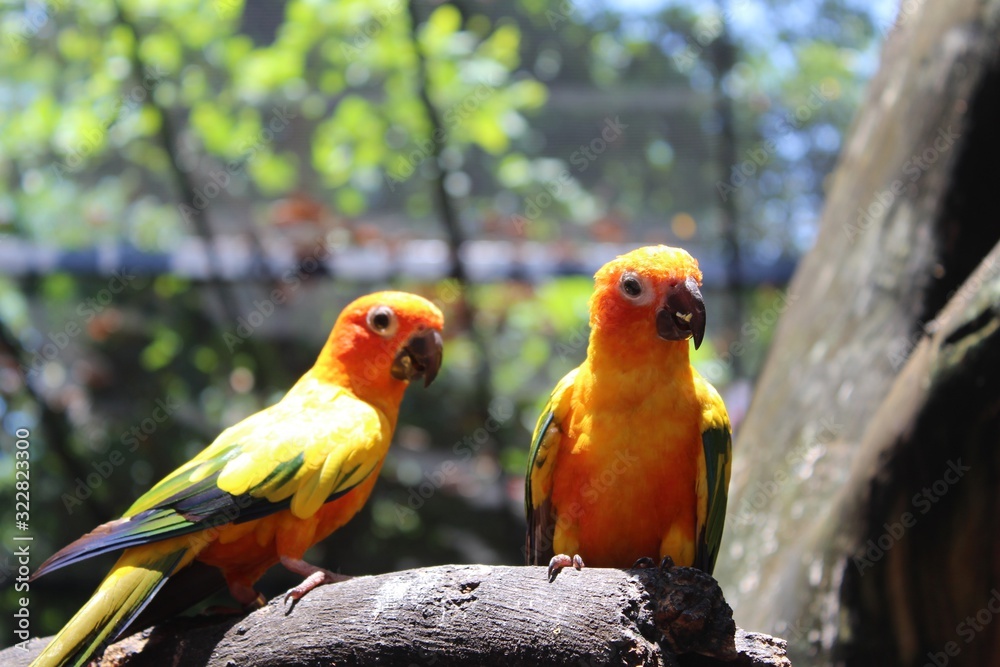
{"x": 382, "y": 321}
{"x": 631, "y": 286}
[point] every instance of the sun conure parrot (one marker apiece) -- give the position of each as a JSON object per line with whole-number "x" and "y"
{"x": 630, "y": 459}
{"x": 269, "y": 487}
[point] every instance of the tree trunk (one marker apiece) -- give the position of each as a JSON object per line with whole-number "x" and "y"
{"x": 466, "y": 615}
{"x": 865, "y": 401}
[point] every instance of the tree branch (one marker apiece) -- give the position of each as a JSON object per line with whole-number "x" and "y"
{"x": 722, "y": 57}
{"x": 439, "y": 138}
{"x": 449, "y": 216}
{"x": 467, "y": 615}
{"x": 927, "y": 471}
{"x": 167, "y": 136}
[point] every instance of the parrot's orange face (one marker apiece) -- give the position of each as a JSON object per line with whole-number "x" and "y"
{"x": 648, "y": 294}
{"x": 382, "y": 341}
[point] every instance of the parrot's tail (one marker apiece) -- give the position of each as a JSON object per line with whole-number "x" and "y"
{"x": 134, "y": 580}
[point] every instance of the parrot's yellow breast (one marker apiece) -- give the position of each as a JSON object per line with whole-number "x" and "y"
{"x": 627, "y": 471}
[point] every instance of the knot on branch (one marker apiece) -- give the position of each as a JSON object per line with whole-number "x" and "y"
{"x": 689, "y": 611}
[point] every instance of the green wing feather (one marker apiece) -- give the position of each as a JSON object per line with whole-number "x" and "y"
{"x": 717, "y": 443}
{"x": 538, "y": 479}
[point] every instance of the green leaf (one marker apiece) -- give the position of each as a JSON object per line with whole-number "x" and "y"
{"x": 273, "y": 174}
{"x": 162, "y": 50}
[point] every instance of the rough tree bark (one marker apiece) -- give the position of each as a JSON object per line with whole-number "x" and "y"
{"x": 831, "y": 539}
{"x": 465, "y": 616}
{"x": 924, "y": 554}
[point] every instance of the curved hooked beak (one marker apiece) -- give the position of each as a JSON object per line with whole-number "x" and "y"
{"x": 420, "y": 357}
{"x": 682, "y": 315}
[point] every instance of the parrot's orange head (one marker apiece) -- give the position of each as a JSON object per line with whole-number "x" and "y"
{"x": 382, "y": 341}
{"x": 652, "y": 292}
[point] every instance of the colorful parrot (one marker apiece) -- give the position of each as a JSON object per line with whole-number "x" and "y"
{"x": 631, "y": 456}
{"x": 269, "y": 487}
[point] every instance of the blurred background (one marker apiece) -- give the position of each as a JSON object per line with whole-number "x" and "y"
{"x": 190, "y": 192}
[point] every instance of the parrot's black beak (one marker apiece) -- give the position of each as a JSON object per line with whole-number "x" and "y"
{"x": 683, "y": 313}
{"x": 420, "y": 357}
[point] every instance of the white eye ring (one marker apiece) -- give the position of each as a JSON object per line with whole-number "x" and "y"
{"x": 634, "y": 288}
{"x": 383, "y": 321}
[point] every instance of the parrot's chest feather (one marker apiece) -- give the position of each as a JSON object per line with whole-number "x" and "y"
{"x": 651, "y": 409}
{"x": 657, "y": 431}
{"x": 628, "y": 467}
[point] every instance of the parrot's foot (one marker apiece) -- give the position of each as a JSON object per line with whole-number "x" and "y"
{"x": 314, "y": 576}
{"x": 559, "y": 561}
{"x": 249, "y": 599}
{"x": 647, "y": 563}
{"x": 242, "y": 610}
